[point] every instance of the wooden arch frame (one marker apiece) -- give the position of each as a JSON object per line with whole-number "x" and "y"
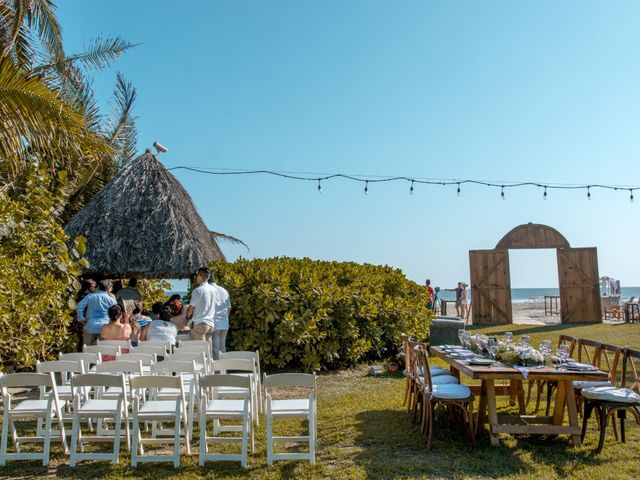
{"x": 578, "y": 277}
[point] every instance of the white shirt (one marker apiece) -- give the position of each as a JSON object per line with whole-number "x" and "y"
{"x": 223, "y": 305}
{"x": 203, "y": 301}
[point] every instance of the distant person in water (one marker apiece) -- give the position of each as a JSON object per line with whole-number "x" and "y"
{"x": 431, "y": 294}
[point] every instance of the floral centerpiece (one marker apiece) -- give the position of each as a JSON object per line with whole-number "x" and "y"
{"x": 521, "y": 355}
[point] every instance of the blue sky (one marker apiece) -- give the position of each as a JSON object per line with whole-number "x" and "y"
{"x": 540, "y": 91}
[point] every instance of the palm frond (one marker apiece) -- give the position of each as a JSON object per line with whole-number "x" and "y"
{"x": 123, "y": 134}
{"x": 228, "y": 238}
{"x": 43, "y": 19}
{"x": 99, "y": 53}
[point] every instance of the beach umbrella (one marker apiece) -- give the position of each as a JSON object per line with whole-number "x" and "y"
{"x": 144, "y": 224}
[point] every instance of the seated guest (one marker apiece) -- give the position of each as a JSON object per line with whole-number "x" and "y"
{"x": 155, "y": 310}
{"x": 140, "y": 316}
{"x": 116, "y": 329}
{"x": 177, "y": 315}
{"x": 162, "y": 329}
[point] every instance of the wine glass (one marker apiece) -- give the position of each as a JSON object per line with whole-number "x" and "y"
{"x": 508, "y": 339}
{"x": 563, "y": 353}
{"x": 545, "y": 348}
{"x": 461, "y": 333}
{"x": 492, "y": 347}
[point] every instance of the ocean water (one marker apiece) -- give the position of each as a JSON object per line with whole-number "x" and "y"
{"x": 521, "y": 295}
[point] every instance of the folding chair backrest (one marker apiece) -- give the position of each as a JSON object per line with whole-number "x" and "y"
{"x": 60, "y": 366}
{"x": 197, "y": 348}
{"x": 588, "y": 351}
{"x": 248, "y": 354}
{"x": 102, "y": 349}
{"x": 120, "y": 366}
{"x": 290, "y": 380}
{"x": 568, "y": 340}
{"x": 631, "y": 369}
{"x": 208, "y": 381}
{"x": 234, "y": 364}
{"x": 98, "y": 380}
{"x": 147, "y": 359}
{"x": 156, "y": 381}
{"x": 167, "y": 345}
{"x": 88, "y": 358}
{"x": 27, "y": 380}
{"x": 158, "y": 350}
{"x": 198, "y": 357}
{"x": 608, "y": 359}
{"x": 123, "y": 344}
{"x": 174, "y": 366}
{"x": 186, "y": 343}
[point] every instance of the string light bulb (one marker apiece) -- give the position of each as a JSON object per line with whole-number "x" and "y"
{"x": 319, "y": 187}
{"x": 544, "y": 195}
{"x": 366, "y": 187}
{"x": 502, "y": 193}
{"x": 631, "y": 195}
{"x": 458, "y": 191}
{"x": 411, "y": 189}
{"x": 588, "y": 193}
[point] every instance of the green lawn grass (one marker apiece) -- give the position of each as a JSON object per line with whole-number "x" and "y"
{"x": 365, "y": 433}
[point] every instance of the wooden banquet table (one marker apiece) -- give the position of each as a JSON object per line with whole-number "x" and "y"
{"x": 522, "y": 423}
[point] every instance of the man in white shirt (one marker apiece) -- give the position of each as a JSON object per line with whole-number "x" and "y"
{"x": 223, "y": 307}
{"x": 202, "y": 308}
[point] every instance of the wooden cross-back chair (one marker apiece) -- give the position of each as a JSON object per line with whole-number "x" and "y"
{"x": 608, "y": 401}
{"x": 606, "y": 357}
{"x": 432, "y": 396}
{"x": 415, "y": 373}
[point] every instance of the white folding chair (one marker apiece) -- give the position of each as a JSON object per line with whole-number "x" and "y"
{"x": 219, "y": 409}
{"x": 157, "y": 350}
{"x": 188, "y": 371}
{"x": 89, "y": 359}
{"x": 242, "y": 367}
{"x": 199, "y": 357}
{"x": 128, "y": 368}
{"x": 66, "y": 369}
{"x": 46, "y": 409}
{"x": 196, "y": 346}
{"x": 147, "y": 359}
{"x": 155, "y": 410}
{"x": 188, "y": 341}
{"x": 109, "y": 409}
{"x": 107, "y": 352}
{"x": 167, "y": 345}
{"x": 255, "y": 356}
{"x": 125, "y": 345}
{"x": 291, "y": 408}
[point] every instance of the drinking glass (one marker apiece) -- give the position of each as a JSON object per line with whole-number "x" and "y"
{"x": 461, "y": 333}
{"x": 508, "y": 338}
{"x": 493, "y": 351}
{"x": 545, "y": 348}
{"x": 563, "y": 353}
{"x": 525, "y": 341}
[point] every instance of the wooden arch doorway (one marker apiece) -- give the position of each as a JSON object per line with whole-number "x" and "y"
{"x": 578, "y": 277}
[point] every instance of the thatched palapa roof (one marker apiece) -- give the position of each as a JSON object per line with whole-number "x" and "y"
{"x": 144, "y": 224}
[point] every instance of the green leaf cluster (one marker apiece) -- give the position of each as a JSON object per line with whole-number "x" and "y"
{"x": 39, "y": 266}
{"x": 311, "y": 314}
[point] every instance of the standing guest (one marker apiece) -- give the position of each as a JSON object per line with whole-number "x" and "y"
{"x": 202, "y": 308}
{"x": 88, "y": 286}
{"x": 458, "y": 291}
{"x": 130, "y": 292}
{"x": 97, "y": 312}
{"x": 430, "y": 295}
{"x": 464, "y": 300}
{"x": 162, "y": 329}
{"x": 117, "y": 329}
{"x": 221, "y": 319}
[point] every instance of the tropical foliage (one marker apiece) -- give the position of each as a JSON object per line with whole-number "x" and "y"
{"x": 38, "y": 272}
{"x": 317, "y": 314}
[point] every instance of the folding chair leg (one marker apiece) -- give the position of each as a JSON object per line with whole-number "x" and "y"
{"x": 202, "y": 424}
{"x": 5, "y": 438}
{"x": 74, "y": 441}
{"x": 245, "y": 431}
{"x": 312, "y": 439}
{"x": 135, "y": 441}
{"x": 116, "y": 434}
{"x": 269, "y": 438}
{"x": 47, "y": 440}
{"x": 176, "y": 440}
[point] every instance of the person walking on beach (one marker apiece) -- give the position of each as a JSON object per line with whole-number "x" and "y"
{"x": 223, "y": 307}
{"x": 202, "y": 308}
{"x": 430, "y": 295}
{"x": 458, "y": 291}
{"x": 97, "y": 312}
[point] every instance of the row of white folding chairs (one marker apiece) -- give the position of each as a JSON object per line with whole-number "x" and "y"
{"x": 151, "y": 407}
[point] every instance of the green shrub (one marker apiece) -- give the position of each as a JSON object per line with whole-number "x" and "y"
{"x": 38, "y": 272}
{"x": 311, "y": 314}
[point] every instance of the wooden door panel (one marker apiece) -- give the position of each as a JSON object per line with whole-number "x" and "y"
{"x": 579, "y": 285}
{"x": 490, "y": 286}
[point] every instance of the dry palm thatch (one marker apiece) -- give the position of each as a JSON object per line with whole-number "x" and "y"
{"x": 143, "y": 224}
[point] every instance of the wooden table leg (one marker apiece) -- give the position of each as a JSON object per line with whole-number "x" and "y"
{"x": 572, "y": 411}
{"x": 517, "y": 391}
{"x": 482, "y": 408}
{"x": 493, "y": 413}
{"x": 559, "y": 403}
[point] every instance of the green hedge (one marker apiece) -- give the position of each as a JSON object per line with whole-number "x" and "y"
{"x": 309, "y": 314}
